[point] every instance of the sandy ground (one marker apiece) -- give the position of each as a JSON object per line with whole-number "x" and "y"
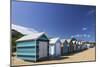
{"x": 86, "y": 55}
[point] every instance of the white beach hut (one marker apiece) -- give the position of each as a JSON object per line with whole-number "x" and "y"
{"x": 83, "y": 45}
{"x": 88, "y": 44}
{"x": 78, "y": 47}
{"x": 54, "y": 47}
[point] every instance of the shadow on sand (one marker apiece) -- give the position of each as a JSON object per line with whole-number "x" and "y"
{"x": 70, "y": 54}
{"x": 49, "y": 59}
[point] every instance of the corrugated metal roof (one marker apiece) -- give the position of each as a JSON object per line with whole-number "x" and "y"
{"x": 33, "y": 36}
{"x": 53, "y": 40}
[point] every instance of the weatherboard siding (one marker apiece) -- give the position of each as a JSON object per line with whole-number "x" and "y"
{"x": 71, "y": 47}
{"x": 58, "y": 48}
{"x": 68, "y": 48}
{"x": 51, "y": 50}
{"x": 55, "y": 49}
{"x": 26, "y": 43}
{"x": 74, "y": 47}
{"x": 26, "y": 50}
{"x": 30, "y": 58}
{"x": 78, "y": 47}
{"x": 65, "y": 48}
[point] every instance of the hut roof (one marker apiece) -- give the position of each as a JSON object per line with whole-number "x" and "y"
{"x": 73, "y": 42}
{"x": 63, "y": 40}
{"x": 53, "y": 40}
{"x": 33, "y": 36}
{"x": 69, "y": 40}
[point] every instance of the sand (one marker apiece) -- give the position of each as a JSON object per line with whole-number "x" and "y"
{"x": 86, "y": 55}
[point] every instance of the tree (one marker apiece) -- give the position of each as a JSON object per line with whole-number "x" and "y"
{"x": 15, "y": 35}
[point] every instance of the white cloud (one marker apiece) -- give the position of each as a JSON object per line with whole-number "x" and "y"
{"x": 72, "y": 36}
{"x": 84, "y": 28}
{"x": 88, "y": 36}
{"x": 77, "y": 35}
{"x": 90, "y": 12}
{"x": 81, "y": 35}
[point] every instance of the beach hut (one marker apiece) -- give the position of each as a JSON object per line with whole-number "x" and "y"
{"x": 33, "y": 47}
{"x": 80, "y": 44}
{"x": 83, "y": 45}
{"x": 88, "y": 44}
{"x": 54, "y": 47}
{"x": 64, "y": 46}
{"x": 71, "y": 44}
{"x": 78, "y": 47}
{"x": 74, "y": 45}
{"x": 91, "y": 44}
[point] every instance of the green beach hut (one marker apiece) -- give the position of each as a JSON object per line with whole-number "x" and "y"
{"x": 33, "y": 47}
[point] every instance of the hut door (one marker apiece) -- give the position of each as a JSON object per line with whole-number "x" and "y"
{"x": 42, "y": 49}
{"x": 58, "y": 49}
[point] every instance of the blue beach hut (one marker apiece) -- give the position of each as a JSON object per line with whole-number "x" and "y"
{"x": 69, "y": 44}
{"x": 33, "y": 47}
{"x": 64, "y": 47}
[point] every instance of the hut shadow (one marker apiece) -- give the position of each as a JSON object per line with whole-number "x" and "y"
{"x": 59, "y": 58}
{"x": 53, "y": 58}
{"x": 80, "y": 51}
{"x": 70, "y": 54}
{"x": 49, "y": 59}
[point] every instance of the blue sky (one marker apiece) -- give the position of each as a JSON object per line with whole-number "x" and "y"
{"x": 58, "y": 20}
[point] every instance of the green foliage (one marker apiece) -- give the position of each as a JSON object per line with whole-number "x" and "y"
{"x": 15, "y": 35}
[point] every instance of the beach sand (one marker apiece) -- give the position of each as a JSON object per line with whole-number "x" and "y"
{"x": 86, "y": 55}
